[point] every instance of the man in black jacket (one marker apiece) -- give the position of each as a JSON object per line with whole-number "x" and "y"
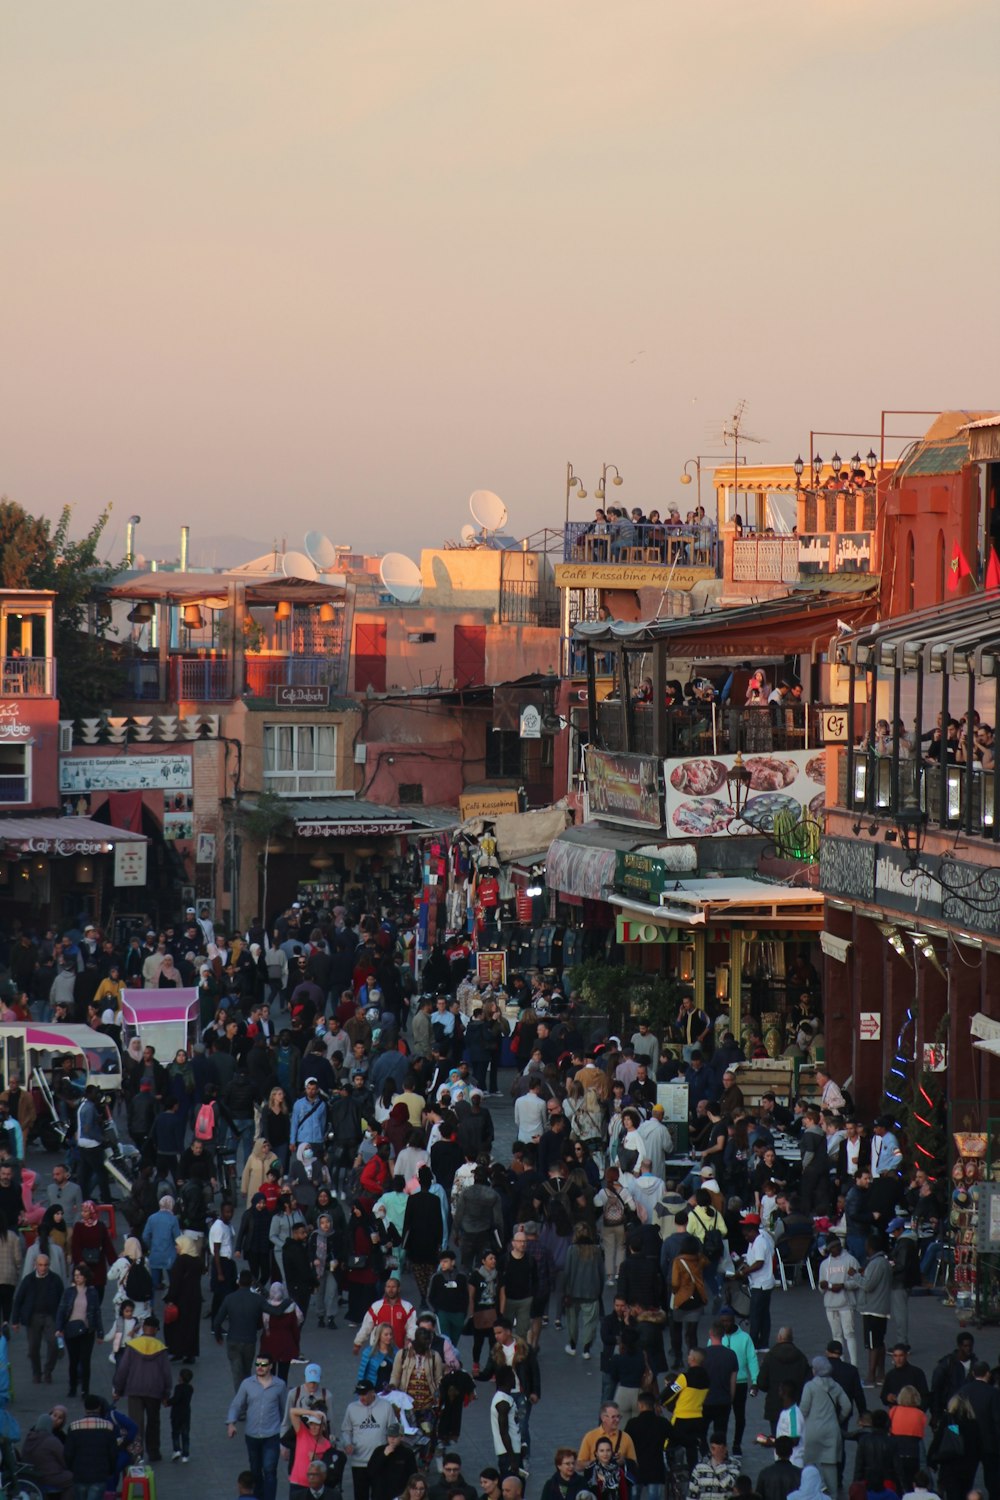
{"x": 951, "y": 1372}
{"x": 391, "y": 1465}
{"x": 846, "y": 1375}
{"x": 36, "y": 1303}
{"x": 243, "y": 1311}
{"x": 514, "y": 1354}
{"x": 984, "y": 1398}
{"x": 452, "y": 1481}
{"x": 776, "y": 1481}
{"x": 902, "y": 1374}
{"x": 92, "y": 1449}
{"x": 300, "y": 1273}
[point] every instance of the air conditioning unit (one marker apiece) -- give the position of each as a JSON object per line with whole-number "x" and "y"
{"x": 360, "y": 753}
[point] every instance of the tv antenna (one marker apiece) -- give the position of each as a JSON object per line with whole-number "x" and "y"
{"x": 732, "y": 432}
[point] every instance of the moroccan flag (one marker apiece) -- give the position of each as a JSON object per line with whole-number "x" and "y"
{"x": 993, "y": 571}
{"x": 958, "y": 568}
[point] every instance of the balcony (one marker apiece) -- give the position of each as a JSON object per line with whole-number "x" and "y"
{"x": 27, "y": 677}
{"x": 954, "y": 797}
{"x": 649, "y": 545}
{"x": 764, "y": 559}
{"x": 210, "y": 679}
{"x": 709, "y": 730}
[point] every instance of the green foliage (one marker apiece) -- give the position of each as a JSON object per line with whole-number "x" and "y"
{"x": 35, "y": 555}
{"x": 624, "y": 994}
{"x": 260, "y": 820}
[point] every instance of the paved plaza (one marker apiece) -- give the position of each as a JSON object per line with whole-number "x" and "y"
{"x": 570, "y": 1387}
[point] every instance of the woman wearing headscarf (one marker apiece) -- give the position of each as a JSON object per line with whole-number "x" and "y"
{"x": 169, "y": 976}
{"x": 281, "y": 1338}
{"x": 91, "y": 1245}
{"x": 181, "y": 1333}
{"x": 43, "y": 1452}
{"x": 134, "y": 1279}
{"x": 160, "y": 1239}
{"x": 254, "y": 1240}
{"x": 397, "y": 1127}
{"x": 51, "y": 1240}
{"x": 365, "y": 1261}
{"x": 276, "y": 1125}
{"x": 78, "y": 1322}
{"x": 423, "y": 1231}
{"x": 11, "y": 1257}
{"x": 180, "y": 1081}
{"x": 308, "y": 1173}
{"x": 810, "y": 1485}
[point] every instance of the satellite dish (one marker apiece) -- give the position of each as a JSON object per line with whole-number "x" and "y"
{"x": 468, "y": 534}
{"x": 297, "y": 565}
{"x": 322, "y": 551}
{"x": 488, "y": 509}
{"x": 401, "y": 577}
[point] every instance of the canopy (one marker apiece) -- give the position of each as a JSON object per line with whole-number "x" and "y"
{"x": 692, "y": 903}
{"x": 74, "y": 835}
{"x": 581, "y": 861}
{"x": 145, "y": 1007}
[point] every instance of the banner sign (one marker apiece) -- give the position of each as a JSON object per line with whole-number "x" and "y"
{"x": 623, "y": 788}
{"x": 124, "y": 773}
{"x": 288, "y": 695}
{"x": 130, "y": 864}
{"x": 331, "y": 829}
{"x": 697, "y": 799}
{"x": 642, "y": 876}
{"x": 487, "y": 804}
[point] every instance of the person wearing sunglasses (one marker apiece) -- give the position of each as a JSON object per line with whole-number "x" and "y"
{"x": 260, "y": 1402}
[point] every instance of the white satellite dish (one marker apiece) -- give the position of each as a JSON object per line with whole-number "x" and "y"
{"x": 297, "y": 565}
{"x": 468, "y": 534}
{"x": 322, "y": 551}
{"x": 401, "y": 577}
{"x": 488, "y": 509}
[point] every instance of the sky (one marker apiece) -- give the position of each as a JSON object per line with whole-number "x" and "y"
{"x": 334, "y": 264}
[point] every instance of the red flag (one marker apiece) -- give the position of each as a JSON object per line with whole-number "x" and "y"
{"x": 993, "y": 571}
{"x": 958, "y": 568}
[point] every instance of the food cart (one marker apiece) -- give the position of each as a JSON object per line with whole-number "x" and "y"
{"x": 166, "y": 1020}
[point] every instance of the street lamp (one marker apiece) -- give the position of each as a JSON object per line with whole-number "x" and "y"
{"x": 799, "y": 468}
{"x": 871, "y": 459}
{"x": 602, "y": 483}
{"x": 573, "y": 483}
{"x": 817, "y": 469}
{"x": 738, "y": 780}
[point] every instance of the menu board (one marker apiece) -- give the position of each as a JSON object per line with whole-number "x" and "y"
{"x": 697, "y": 799}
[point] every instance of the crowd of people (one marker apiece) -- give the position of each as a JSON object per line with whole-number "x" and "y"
{"x": 335, "y": 1176}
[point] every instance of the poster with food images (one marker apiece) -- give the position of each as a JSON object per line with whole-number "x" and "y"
{"x": 697, "y": 798}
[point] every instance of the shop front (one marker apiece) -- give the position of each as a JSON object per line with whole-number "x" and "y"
{"x": 64, "y": 871}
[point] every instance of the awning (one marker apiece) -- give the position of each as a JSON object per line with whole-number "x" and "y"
{"x": 140, "y": 1007}
{"x": 581, "y": 861}
{"x": 75, "y": 835}
{"x": 520, "y": 834}
{"x": 693, "y": 903}
{"x": 960, "y": 636}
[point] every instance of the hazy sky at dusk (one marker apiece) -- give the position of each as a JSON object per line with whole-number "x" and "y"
{"x": 285, "y": 265}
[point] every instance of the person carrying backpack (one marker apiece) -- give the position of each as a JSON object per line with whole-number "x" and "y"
{"x": 706, "y": 1224}
{"x": 618, "y": 1211}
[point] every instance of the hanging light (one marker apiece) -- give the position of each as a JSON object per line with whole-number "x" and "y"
{"x": 817, "y": 467}
{"x": 321, "y": 862}
{"x": 193, "y": 617}
{"x": 738, "y": 780}
{"x": 871, "y": 459}
{"x": 282, "y": 611}
{"x": 327, "y": 614}
{"x": 141, "y": 613}
{"x": 911, "y": 825}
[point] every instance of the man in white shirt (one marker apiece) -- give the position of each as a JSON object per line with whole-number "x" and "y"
{"x": 221, "y": 1242}
{"x": 530, "y": 1115}
{"x": 758, "y": 1272}
{"x": 830, "y": 1096}
{"x": 839, "y": 1281}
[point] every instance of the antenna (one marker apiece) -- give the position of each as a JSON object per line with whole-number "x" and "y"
{"x": 297, "y": 565}
{"x": 321, "y": 550}
{"x": 401, "y": 577}
{"x": 488, "y": 510}
{"x": 733, "y": 433}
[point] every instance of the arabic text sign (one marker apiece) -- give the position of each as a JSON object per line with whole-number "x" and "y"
{"x": 623, "y": 788}
{"x": 124, "y": 773}
{"x": 333, "y": 828}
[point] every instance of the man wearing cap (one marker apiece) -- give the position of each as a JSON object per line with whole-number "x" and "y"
{"x": 309, "y": 1117}
{"x": 757, "y": 1270}
{"x": 391, "y": 1465}
{"x": 260, "y": 1401}
{"x": 144, "y": 1377}
{"x": 904, "y": 1256}
{"x": 364, "y": 1430}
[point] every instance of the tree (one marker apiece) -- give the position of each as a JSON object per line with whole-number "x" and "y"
{"x": 33, "y": 555}
{"x": 259, "y": 821}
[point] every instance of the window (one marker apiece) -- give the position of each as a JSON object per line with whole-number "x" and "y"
{"x": 411, "y": 791}
{"x": 300, "y": 759}
{"x": 421, "y": 637}
{"x": 503, "y": 752}
{"x": 15, "y": 773}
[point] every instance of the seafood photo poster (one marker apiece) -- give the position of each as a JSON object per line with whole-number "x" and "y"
{"x": 697, "y": 802}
